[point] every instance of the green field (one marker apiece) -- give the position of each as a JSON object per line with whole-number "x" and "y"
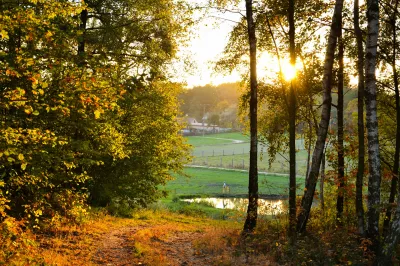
{"x": 217, "y": 139}
{"x": 209, "y": 182}
{"x": 231, "y": 150}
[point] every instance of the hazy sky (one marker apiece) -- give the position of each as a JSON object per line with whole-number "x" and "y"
{"x": 205, "y": 46}
{"x": 210, "y": 37}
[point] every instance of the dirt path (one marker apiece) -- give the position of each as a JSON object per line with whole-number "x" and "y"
{"x": 118, "y": 248}
{"x": 115, "y": 248}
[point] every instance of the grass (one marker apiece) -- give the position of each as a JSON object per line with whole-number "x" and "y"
{"x": 78, "y": 244}
{"x": 205, "y": 181}
{"x": 217, "y": 139}
{"x": 220, "y": 150}
{"x": 153, "y": 234}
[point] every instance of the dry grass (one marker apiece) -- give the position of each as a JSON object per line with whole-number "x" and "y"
{"x": 164, "y": 238}
{"x": 152, "y": 239}
{"x": 75, "y": 244}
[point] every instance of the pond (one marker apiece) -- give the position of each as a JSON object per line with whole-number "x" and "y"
{"x": 265, "y": 206}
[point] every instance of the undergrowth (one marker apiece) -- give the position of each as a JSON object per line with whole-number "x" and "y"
{"x": 222, "y": 241}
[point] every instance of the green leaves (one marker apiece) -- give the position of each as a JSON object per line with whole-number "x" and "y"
{"x": 76, "y": 121}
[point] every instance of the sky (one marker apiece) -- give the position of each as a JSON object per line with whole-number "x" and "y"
{"x": 210, "y": 37}
{"x": 206, "y": 45}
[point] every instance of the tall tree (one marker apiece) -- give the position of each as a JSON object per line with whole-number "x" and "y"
{"x": 374, "y": 180}
{"x": 251, "y": 219}
{"x": 325, "y": 117}
{"x": 340, "y": 131}
{"x": 396, "y": 158}
{"x": 292, "y": 127}
{"x": 360, "y": 121}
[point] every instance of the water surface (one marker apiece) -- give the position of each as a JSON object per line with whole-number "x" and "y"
{"x": 266, "y": 207}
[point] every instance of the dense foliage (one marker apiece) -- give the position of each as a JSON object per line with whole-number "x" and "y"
{"x": 86, "y": 110}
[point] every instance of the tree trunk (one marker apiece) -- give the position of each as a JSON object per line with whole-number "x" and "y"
{"x": 308, "y": 152}
{"x": 292, "y": 129}
{"x": 374, "y": 181}
{"x": 340, "y": 195}
{"x": 321, "y": 183}
{"x": 325, "y": 117}
{"x": 251, "y": 219}
{"x": 82, "y": 26}
{"x": 392, "y": 237}
{"x": 395, "y": 171}
{"x": 361, "y": 145}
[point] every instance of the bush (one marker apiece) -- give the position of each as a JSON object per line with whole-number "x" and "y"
{"x": 120, "y": 207}
{"x": 16, "y": 243}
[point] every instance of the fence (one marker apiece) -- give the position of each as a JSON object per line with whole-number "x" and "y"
{"x": 235, "y": 160}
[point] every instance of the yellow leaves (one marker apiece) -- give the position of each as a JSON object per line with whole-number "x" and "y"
{"x": 48, "y": 34}
{"x": 51, "y": 15}
{"x": 62, "y": 142}
{"x": 23, "y": 166}
{"x": 69, "y": 165}
{"x": 97, "y": 113}
{"x": 38, "y": 213}
{"x": 21, "y": 157}
{"x": 29, "y": 110}
{"x": 4, "y": 34}
{"x": 44, "y": 85}
{"x": 40, "y": 91}
{"x": 34, "y": 81}
{"x": 30, "y": 62}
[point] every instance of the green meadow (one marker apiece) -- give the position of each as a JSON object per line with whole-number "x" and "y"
{"x": 231, "y": 150}
{"x": 220, "y": 158}
{"x": 209, "y": 182}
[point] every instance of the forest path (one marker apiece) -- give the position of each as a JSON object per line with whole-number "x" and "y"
{"x": 123, "y": 246}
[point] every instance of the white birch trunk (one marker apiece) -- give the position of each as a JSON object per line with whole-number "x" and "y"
{"x": 374, "y": 180}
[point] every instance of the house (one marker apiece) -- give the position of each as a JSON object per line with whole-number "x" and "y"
{"x": 193, "y": 127}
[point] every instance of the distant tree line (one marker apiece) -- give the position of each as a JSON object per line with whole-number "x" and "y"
{"x": 217, "y": 104}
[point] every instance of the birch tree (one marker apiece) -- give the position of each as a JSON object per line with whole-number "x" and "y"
{"x": 374, "y": 179}
{"x": 325, "y": 117}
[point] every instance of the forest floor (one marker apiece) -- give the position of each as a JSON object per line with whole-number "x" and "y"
{"x": 149, "y": 238}
{"x": 117, "y": 248}
{"x": 165, "y": 238}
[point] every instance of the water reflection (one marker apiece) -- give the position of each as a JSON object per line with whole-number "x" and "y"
{"x": 266, "y": 207}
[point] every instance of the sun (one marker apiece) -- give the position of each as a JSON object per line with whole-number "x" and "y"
{"x": 289, "y": 71}
{"x": 268, "y": 65}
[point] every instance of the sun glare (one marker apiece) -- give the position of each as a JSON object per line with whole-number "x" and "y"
{"x": 289, "y": 71}
{"x": 268, "y": 66}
